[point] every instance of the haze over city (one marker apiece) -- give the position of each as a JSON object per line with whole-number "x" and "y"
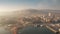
{"x": 29, "y": 16}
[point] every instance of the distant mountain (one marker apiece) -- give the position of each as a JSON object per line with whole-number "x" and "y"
{"x": 29, "y": 12}
{"x": 36, "y": 11}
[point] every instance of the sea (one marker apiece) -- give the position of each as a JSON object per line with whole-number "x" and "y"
{"x": 35, "y": 30}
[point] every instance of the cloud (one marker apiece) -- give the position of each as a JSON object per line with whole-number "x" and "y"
{"x": 13, "y": 7}
{"x": 49, "y": 4}
{"x": 43, "y": 4}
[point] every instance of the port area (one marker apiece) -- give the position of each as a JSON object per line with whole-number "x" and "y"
{"x": 54, "y": 28}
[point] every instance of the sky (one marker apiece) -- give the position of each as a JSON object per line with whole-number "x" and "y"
{"x": 13, "y": 5}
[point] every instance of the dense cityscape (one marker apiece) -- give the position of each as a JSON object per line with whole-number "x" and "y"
{"x": 29, "y": 16}
{"x": 49, "y": 20}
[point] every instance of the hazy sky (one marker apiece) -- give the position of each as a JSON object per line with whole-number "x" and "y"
{"x": 12, "y": 5}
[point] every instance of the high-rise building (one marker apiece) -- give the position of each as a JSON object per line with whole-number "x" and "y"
{"x": 49, "y": 14}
